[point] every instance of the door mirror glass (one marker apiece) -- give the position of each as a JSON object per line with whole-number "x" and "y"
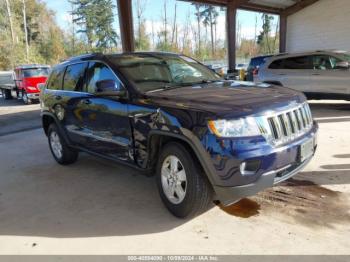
{"x": 108, "y": 87}
{"x": 342, "y": 65}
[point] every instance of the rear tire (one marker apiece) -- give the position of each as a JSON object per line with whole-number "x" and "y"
{"x": 62, "y": 153}
{"x": 6, "y": 94}
{"x": 183, "y": 187}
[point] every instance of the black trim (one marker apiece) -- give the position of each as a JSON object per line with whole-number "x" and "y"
{"x": 332, "y": 96}
{"x": 276, "y": 83}
{"x": 195, "y": 145}
{"x": 57, "y": 122}
{"x": 122, "y": 162}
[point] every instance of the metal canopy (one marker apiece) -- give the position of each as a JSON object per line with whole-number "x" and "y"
{"x": 280, "y": 7}
{"x": 283, "y": 8}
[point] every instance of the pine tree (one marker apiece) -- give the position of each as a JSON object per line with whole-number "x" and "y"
{"x": 263, "y": 38}
{"x": 95, "y": 19}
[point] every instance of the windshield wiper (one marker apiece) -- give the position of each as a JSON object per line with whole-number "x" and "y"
{"x": 166, "y": 87}
{"x": 204, "y": 81}
{"x": 179, "y": 85}
{"x": 152, "y": 80}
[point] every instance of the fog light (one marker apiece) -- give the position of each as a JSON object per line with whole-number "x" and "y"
{"x": 249, "y": 167}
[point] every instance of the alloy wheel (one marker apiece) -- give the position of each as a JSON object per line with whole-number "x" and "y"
{"x": 56, "y": 145}
{"x": 174, "y": 181}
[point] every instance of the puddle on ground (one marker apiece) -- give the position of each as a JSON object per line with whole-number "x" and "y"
{"x": 244, "y": 208}
{"x": 300, "y": 200}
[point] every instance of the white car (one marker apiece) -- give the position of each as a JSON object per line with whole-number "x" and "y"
{"x": 319, "y": 74}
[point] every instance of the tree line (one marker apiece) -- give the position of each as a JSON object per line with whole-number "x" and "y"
{"x": 29, "y": 32}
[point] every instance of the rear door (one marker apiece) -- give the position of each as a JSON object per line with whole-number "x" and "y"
{"x": 102, "y": 122}
{"x": 292, "y": 72}
{"x": 71, "y": 95}
{"x": 52, "y": 95}
{"x": 327, "y": 78}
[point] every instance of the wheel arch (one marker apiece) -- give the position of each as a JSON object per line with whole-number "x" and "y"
{"x": 47, "y": 119}
{"x": 158, "y": 139}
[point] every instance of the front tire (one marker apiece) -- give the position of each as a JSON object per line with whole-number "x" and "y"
{"x": 182, "y": 185}
{"x": 62, "y": 153}
{"x": 25, "y": 98}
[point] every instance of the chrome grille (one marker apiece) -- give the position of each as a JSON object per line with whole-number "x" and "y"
{"x": 288, "y": 125}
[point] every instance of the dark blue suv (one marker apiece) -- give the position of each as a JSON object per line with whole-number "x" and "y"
{"x": 203, "y": 137}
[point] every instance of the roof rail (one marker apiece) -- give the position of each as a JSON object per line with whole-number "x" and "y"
{"x": 280, "y": 54}
{"x": 82, "y": 56}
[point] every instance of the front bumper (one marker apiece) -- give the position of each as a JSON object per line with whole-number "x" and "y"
{"x": 230, "y": 195}
{"x": 33, "y": 95}
{"x": 276, "y": 165}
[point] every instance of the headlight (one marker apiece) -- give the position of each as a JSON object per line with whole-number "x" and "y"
{"x": 235, "y": 128}
{"x": 31, "y": 88}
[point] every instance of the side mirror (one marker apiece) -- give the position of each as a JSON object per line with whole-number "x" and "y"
{"x": 108, "y": 87}
{"x": 41, "y": 86}
{"x": 342, "y": 65}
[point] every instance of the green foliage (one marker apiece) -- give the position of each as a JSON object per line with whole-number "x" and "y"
{"x": 95, "y": 20}
{"x": 142, "y": 42}
{"x": 44, "y": 36}
{"x": 264, "y": 40}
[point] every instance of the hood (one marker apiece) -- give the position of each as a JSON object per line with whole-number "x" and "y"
{"x": 228, "y": 98}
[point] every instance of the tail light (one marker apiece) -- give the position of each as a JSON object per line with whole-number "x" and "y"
{"x": 256, "y": 71}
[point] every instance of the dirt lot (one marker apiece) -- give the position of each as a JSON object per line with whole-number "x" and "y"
{"x": 95, "y": 207}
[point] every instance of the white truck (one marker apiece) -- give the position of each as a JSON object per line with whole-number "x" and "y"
{"x": 7, "y": 84}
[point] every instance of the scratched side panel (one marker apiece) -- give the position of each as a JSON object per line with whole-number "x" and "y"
{"x": 145, "y": 116}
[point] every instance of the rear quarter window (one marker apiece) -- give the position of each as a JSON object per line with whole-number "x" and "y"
{"x": 299, "y": 62}
{"x": 55, "y": 79}
{"x": 278, "y": 64}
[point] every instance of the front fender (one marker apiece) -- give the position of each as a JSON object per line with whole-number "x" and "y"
{"x": 195, "y": 144}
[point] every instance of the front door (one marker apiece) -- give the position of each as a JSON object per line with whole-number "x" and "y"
{"x": 103, "y": 121}
{"x": 327, "y": 78}
{"x": 296, "y": 73}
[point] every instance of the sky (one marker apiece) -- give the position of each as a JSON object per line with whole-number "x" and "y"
{"x": 153, "y": 12}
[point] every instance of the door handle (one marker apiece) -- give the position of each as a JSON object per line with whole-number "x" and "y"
{"x": 87, "y": 101}
{"x": 316, "y": 74}
{"x": 282, "y": 74}
{"x": 58, "y": 97}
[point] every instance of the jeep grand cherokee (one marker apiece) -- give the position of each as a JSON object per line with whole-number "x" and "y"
{"x": 204, "y": 138}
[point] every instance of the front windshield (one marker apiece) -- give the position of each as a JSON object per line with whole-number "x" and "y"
{"x": 153, "y": 72}
{"x": 36, "y": 72}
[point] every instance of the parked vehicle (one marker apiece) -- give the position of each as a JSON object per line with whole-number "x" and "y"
{"x": 241, "y": 66}
{"x": 7, "y": 84}
{"x": 219, "y": 69}
{"x": 253, "y": 67}
{"x": 319, "y": 74}
{"x": 204, "y": 137}
{"x": 24, "y": 82}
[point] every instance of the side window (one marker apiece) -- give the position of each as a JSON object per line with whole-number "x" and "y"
{"x": 99, "y": 72}
{"x": 55, "y": 80}
{"x": 300, "y": 62}
{"x": 325, "y": 62}
{"x": 74, "y": 77}
{"x": 278, "y": 64}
